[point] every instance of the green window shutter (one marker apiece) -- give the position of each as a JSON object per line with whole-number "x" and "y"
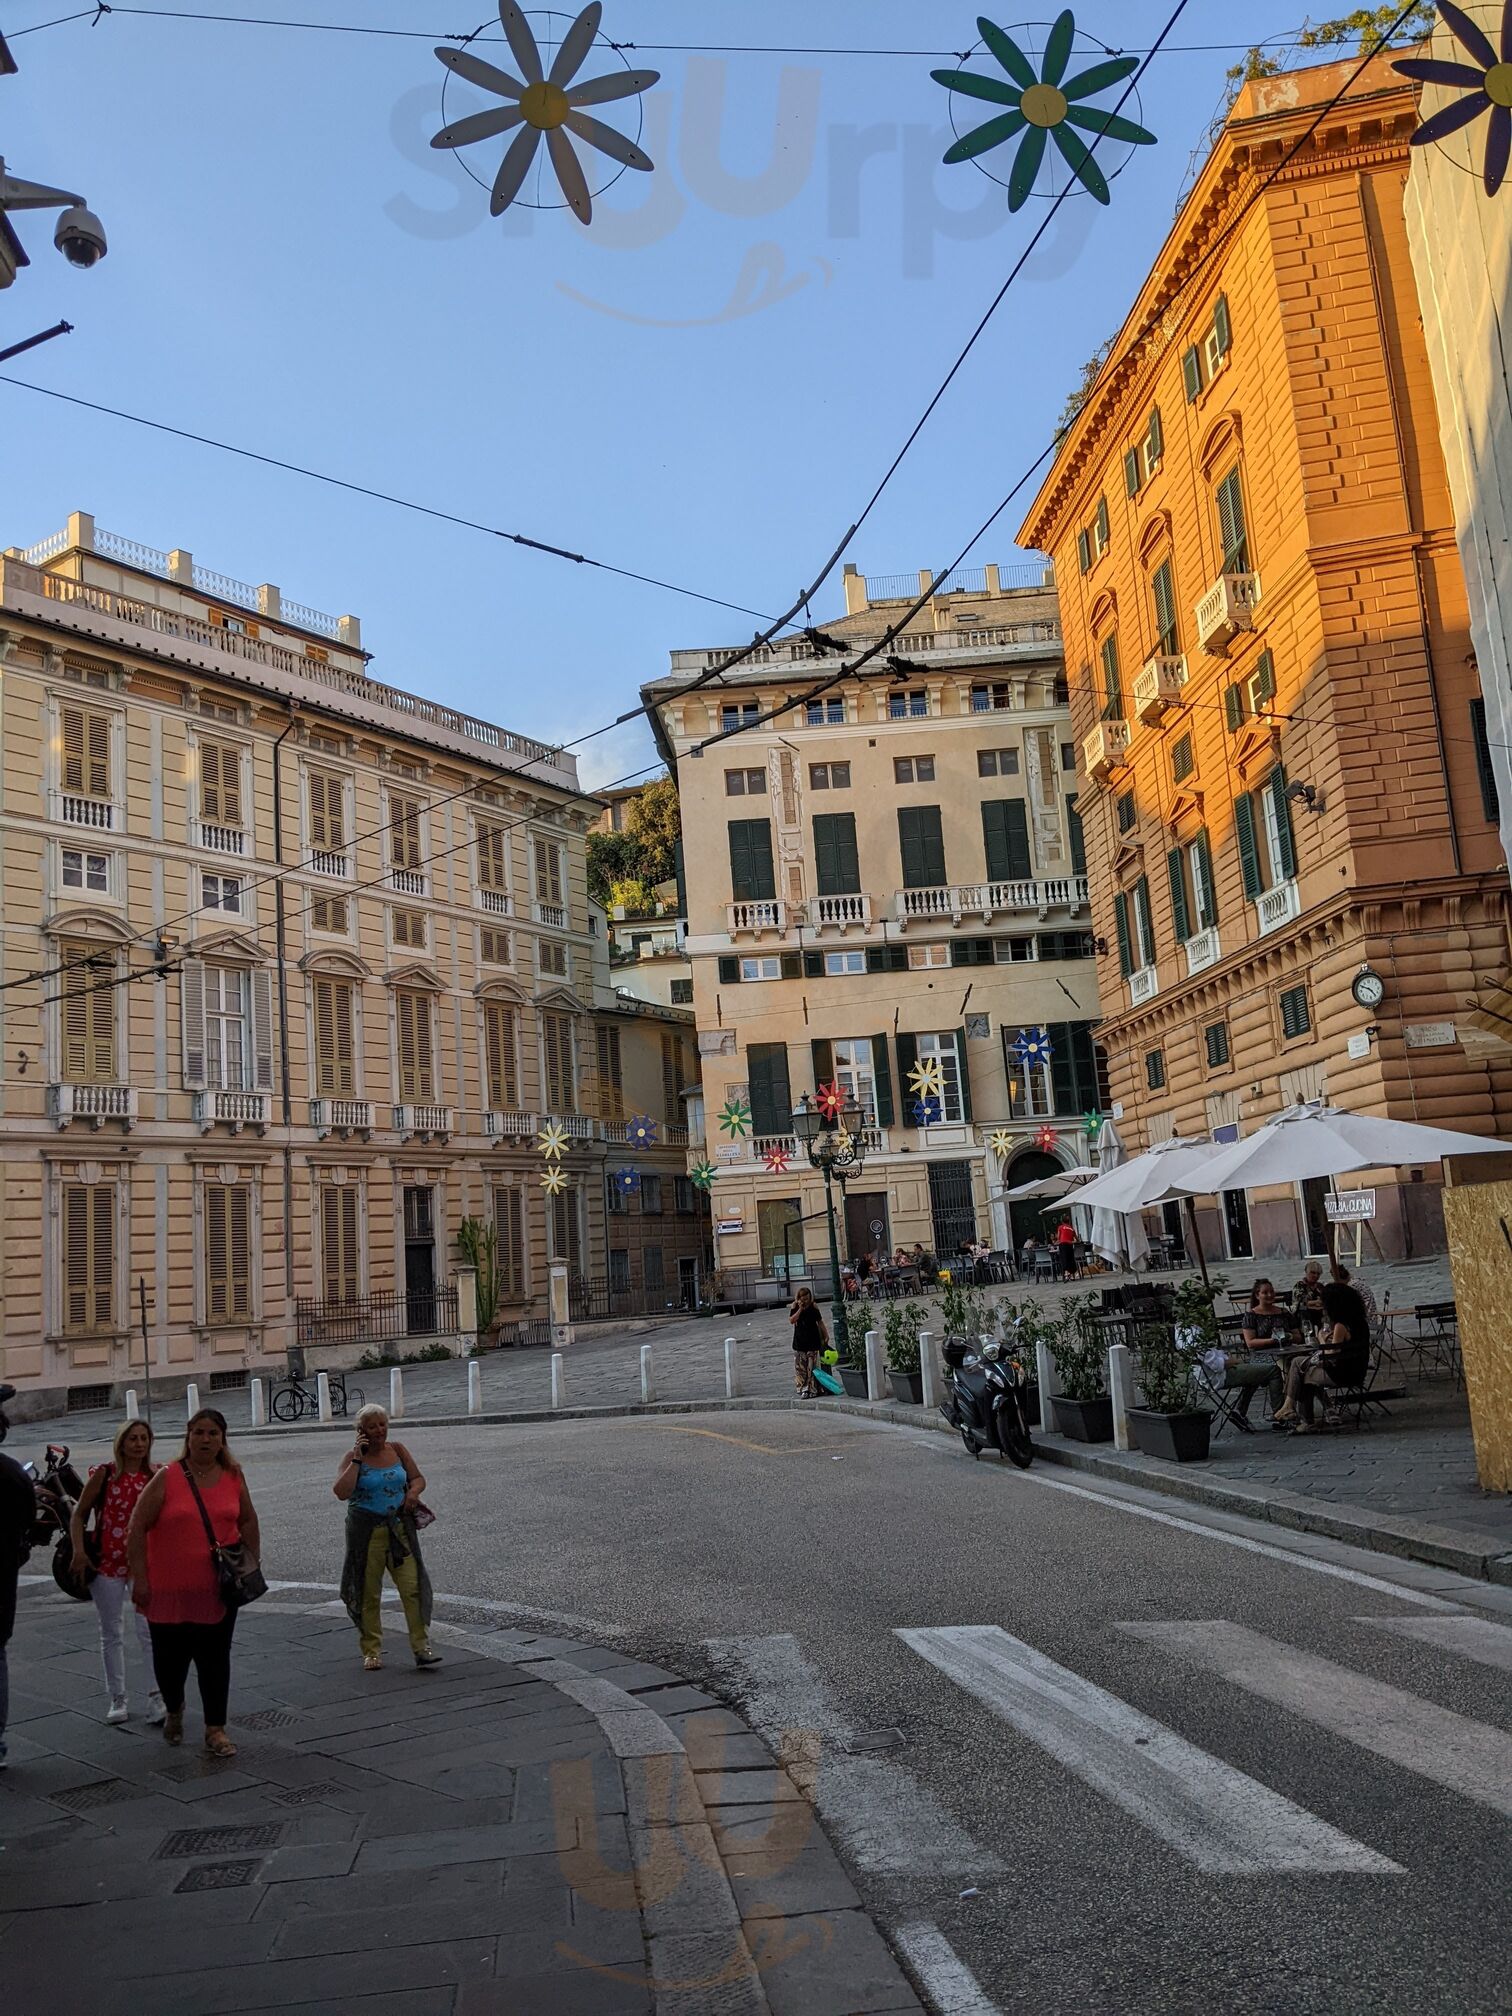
{"x": 965, "y": 1067}
{"x": 771, "y": 1103}
{"x": 1076, "y": 836}
{"x": 1180, "y": 914}
{"x": 1125, "y": 944}
{"x": 1265, "y": 678}
{"x": 792, "y": 966}
{"x": 1207, "y": 902}
{"x": 1295, "y": 1018}
{"x": 1101, "y": 521}
{"x": 1233, "y": 708}
{"x": 1163, "y": 588}
{"x": 1183, "y": 762}
{"x": 887, "y": 958}
{"x": 1191, "y": 375}
{"x": 1084, "y": 551}
{"x": 1217, "y": 1038}
{"x": 837, "y": 864}
{"x": 1222, "y": 327}
{"x": 729, "y": 970}
{"x": 1112, "y": 679}
{"x": 908, "y": 1056}
{"x": 1155, "y": 440}
{"x": 1286, "y": 839}
{"x": 882, "y": 1073}
{"x": 752, "y": 876}
{"x": 823, "y": 1053}
{"x": 1062, "y": 1069}
{"x": 1484, "y": 769}
{"x": 922, "y": 846}
{"x": 1249, "y": 850}
{"x": 1144, "y": 918}
{"x": 1236, "y": 559}
{"x": 1131, "y": 472}
{"x": 813, "y": 965}
{"x": 1005, "y": 839}
{"x": 1155, "y": 1070}
{"x": 971, "y": 952}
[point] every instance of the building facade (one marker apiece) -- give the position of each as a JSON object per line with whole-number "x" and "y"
{"x": 1273, "y": 683}
{"x": 886, "y": 876}
{"x": 296, "y": 963}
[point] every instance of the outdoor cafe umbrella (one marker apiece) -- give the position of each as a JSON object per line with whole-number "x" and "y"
{"x": 1318, "y": 1140}
{"x": 1116, "y": 1236}
{"x": 1060, "y": 1184}
{"x": 1161, "y": 1172}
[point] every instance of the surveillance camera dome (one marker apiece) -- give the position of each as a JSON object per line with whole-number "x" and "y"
{"x": 80, "y": 237}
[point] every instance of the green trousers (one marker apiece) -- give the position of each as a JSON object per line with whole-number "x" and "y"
{"x": 406, "y": 1579}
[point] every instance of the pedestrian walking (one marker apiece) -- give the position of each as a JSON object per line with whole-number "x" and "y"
{"x": 18, "y": 1509}
{"x": 381, "y": 1484}
{"x": 110, "y": 1496}
{"x": 810, "y": 1337}
{"x": 175, "y": 1583}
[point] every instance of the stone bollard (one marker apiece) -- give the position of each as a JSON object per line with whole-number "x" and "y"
{"x": 1121, "y": 1386}
{"x": 323, "y": 1394}
{"x": 874, "y": 1388}
{"x": 558, "y": 1381}
{"x": 132, "y": 1413}
{"x": 1045, "y": 1366}
{"x": 648, "y": 1382}
{"x": 191, "y": 1400}
{"x": 474, "y": 1387}
{"x": 931, "y": 1380}
{"x": 259, "y": 1404}
{"x": 396, "y": 1393}
{"x": 732, "y": 1370}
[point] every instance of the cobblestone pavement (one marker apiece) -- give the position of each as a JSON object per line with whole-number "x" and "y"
{"x": 537, "y": 1825}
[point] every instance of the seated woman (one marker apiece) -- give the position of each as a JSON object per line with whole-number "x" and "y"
{"x": 1342, "y": 1359}
{"x": 1255, "y": 1364}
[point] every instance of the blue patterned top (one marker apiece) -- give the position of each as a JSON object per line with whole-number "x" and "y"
{"x": 381, "y": 1491}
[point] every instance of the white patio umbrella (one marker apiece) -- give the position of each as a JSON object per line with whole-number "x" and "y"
{"x": 1318, "y": 1140}
{"x": 1152, "y": 1177}
{"x": 1115, "y": 1236}
{"x": 1060, "y": 1184}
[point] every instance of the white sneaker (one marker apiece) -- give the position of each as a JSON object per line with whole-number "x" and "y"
{"x": 118, "y": 1711}
{"x": 156, "y": 1712}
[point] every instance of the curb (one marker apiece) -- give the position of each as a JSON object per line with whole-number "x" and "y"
{"x": 1480, "y": 1557}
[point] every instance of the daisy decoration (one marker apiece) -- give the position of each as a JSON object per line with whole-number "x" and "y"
{"x": 829, "y": 1099}
{"x": 778, "y": 1161}
{"x": 1486, "y": 82}
{"x": 702, "y": 1173}
{"x": 1001, "y": 1143}
{"x": 1046, "y": 1138}
{"x": 554, "y": 1182}
{"x": 735, "y": 1119}
{"x": 640, "y": 1132}
{"x": 927, "y": 1078}
{"x": 627, "y": 1181}
{"x": 552, "y": 1140}
{"x": 926, "y": 1112}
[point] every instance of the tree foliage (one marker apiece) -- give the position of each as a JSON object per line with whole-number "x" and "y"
{"x": 611, "y": 858}
{"x": 1372, "y": 28}
{"x": 653, "y": 819}
{"x": 1089, "y": 376}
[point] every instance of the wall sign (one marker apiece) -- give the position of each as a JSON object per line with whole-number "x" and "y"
{"x": 1430, "y": 1035}
{"x": 1350, "y": 1207}
{"x": 1359, "y": 1046}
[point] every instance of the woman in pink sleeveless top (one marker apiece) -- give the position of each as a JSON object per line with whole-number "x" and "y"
{"x": 173, "y": 1573}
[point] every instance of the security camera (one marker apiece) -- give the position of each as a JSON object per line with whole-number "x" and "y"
{"x": 80, "y": 237}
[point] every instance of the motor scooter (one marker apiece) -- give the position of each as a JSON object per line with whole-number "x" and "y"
{"x": 984, "y": 1399}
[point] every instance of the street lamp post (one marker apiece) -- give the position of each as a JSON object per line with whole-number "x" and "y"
{"x": 836, "y": 1147}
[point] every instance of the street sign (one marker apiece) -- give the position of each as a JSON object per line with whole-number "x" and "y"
{"x": 730, "y": 1225}
{"x": 1350, "y": 1207}
{"x": 1430, "y": 1035}
{"x": 1359, "y": 1046}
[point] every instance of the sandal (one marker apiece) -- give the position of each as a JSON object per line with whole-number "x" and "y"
{"x": 219, "y": 1744}
{"x": 372, "y": 1662}
{"x": 173, "y": 1726}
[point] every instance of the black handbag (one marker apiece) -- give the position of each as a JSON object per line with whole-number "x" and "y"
{"x": 236, "y": 1568}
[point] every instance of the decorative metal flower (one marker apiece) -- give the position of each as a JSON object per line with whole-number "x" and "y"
{"x": 1001, "y": 1143}
{"x": 735, "y": 1119}
{"x": 554, "y": 1182}
{"x": 830, "y": 1100}
{"x": 627, "y": 1181}
{"x": 1092, "y": 1125}
{"x": 1033, "y": 1046}
{"x": 1043, "y": 108}
{"x": 640, "y": 1131}
{"x": 546, "y": 103}
{"x": 552, "y": 1140}
{"x": 927, "y": 1078}
{"x": 778, "y": 1161}
{"x": 926, "y": 1112}
{"x": 1487, "y": 84}
{"x": 702, "y": 1173}
{"x": 1047, "y": 1138}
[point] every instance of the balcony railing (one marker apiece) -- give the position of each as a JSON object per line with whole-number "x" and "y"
{"x": 408, "y": 881}
{"x": 1143, "y": 985}
{"x": 576, "y": 1126}
{"x": 763, "y": 1145}
{"x": 341, "y": 1116}
{"x": 1227, "y": 608}
{"x": 1203, "y": 951}
{"x": 1158, "y": 688}
{"x": 675, "y": 1134}
{"x": 97, "y": 812}
{"x": 495, "y": 901}
{"x": 423, "y": 1120}
{"x": 94, "y": 1103}
{"x": 364, "y": 1319}
{"x": 958, "y": 900}
{"x": 1105, "y": 749}
{"x": 839, "y": 911}
{"x": 231, "y": 1109}
{"x": 1040, "y": 630}
{"x": 329, "y": 861}
{"x": 1278, "y": 906}
{"x": 751, "y": 919}
{"x": 615, "y": 1132}
{"x": 554, "y": 914}
{"x": 222, "y": 839}
{"x": 505, "y": 1126}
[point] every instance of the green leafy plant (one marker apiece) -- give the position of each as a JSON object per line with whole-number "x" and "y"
{"x": 963, "y": 1310}
{"x": 1372, "y": 28}
{"x": 1165, "y": 1374}
{"x": 1193, "y": 1312}
{"x": 900, "y": 1332}
{"x": 478, "y": 1242}
{"x": 849, "y": 1326}
{"x": 1080, "y": 1355}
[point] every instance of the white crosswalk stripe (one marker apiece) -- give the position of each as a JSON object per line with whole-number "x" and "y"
{"x": 1216, "y": 1817}
{"x": 1470, "y": 1637}
{"x": 1447, "y": 1749}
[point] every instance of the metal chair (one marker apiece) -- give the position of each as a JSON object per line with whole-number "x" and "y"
{"x": 1044, "y": 1264}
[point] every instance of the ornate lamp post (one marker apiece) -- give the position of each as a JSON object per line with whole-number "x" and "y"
{"x": 836, "y": 1148}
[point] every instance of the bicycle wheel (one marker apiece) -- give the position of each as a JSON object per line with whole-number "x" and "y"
{"x": 352, "y": 1398}
{"x": 288, "y": 1404}
{"x": 338, "y": 1395}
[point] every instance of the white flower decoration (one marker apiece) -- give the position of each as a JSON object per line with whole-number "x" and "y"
{"x": 546, "y": 103}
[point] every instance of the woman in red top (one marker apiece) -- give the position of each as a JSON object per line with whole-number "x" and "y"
{"x": 111, "y": 1495}
{"x": 173, "y": 1573}
{"x": 1065, "y": 1248}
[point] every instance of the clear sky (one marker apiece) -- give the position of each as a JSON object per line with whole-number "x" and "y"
{"x": 705, "y": 386}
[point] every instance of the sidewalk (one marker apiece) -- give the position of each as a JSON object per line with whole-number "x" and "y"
{"x": 537, "y": 1825}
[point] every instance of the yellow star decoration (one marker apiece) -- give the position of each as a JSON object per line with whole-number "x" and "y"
{"x": 928, "y": 1078}
{"x": 554, "y": 1182}
{"x": 552, "y": 1140}
{"x": 1001, "y": 1143}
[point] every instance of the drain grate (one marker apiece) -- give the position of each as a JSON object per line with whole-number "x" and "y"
{"x": 873, "y": 1741}
{"x": 303, "y": 1795}
{"x": 218, "y": 1840}
{"x": 216, "y": 1876}
{"x": 102, "y": 1792}
{"x": 269, "y": 1718}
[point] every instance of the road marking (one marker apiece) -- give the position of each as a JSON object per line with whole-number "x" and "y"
{"x": 735, "y": 1441}
{"x": 526, "y": 1613}
{"x": 953, "y": 1988}
{"x": 1217, "y": 1818}
{"x": 1450, "y": 1750}
{"x": 1471, "y": 1637}
{"x": 890, "y": 1823}
{"x": 1272, "y": 1553}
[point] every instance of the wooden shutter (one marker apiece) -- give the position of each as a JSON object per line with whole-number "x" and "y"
{"x": 1295, "y": 1019}
{"x": 1155, "y": 439}
{"x": 556, "y": 1058}
{"x": 1207, "y": 900}
{"x": 1231, "y": 525}
{"x": 1249, "y": 851}
{"x": 210, "y": 781}
{"x": 1145, "y": 921}
{"x": 339, "y": 1227}
{"x": 1191, "y": 375}
{"x": 908, "y": 1056}
{"x": 771, "y": 1099}
{"x": 1222, "y": 327}
{"x": 1084, "y": 551}
{"x": 192, "y": 1020}
{"x": 1180, "y": 913}
{"x": 1005, "y": 839}
{"x": 86, "y": 752}
{"x": 822, "y": 1052}
{"x": 729, "y": 969}
{"x": 837, "y": 862}
{"x": 882, "y": 1077}
{"x": 404, "y": 831}
{"x": 965, "y": 1071}
{"x": 260, "y": 988}
{"x": 1077, "y": 837}
{"x": 1216, "y": 1038}
{"x": 1112, "y": 679}
{"x": 412, "y": 1014}
{"x": 509, "y": 1222}
{"x": 1286, "y": 841}
{"x": 752, "y": 876}
{"x": 1484, "y": 768}
{"x": 228, "y": 1253}
{"x": 1265, "y": 678}
{"x": 88, "y": 1256}
{"x": 327, "y": 814}
{"x": 1125, "y": 943}
{"x": 335, "y": 1058}
{"x": 1132, "y": 472}
{"x": 922, "y": 846}
{"x": 1233, "y": 708}
{"x": 499, "y": 1026}
{"x": 87, "y": 1015}
{"x": 671, "y": 1051}
{"x": 493, "y": 858}
{"x": 220, "y": 783}
{"x": 1103, "y": 528}
{"x": 548, "y": 868}
{"x": 1163, "y": 588}
{"x": 610, "y": 1076}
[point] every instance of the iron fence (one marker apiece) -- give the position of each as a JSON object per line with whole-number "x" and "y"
{"x": 604, "y": 1301}
{"x": 388, "y": 1315}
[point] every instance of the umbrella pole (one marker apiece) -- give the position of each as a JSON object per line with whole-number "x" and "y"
{"x": 1191, "y": 1204}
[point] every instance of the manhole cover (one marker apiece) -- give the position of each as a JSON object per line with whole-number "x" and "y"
{"x": 103, "y": 1792}
{"x": 216, "y": 1876}
{"x": 303, "y": 1795}
{"x": 218, "y": 1840}
{"x": 871, "y": 1741}
{"x": 269, "y": 1718}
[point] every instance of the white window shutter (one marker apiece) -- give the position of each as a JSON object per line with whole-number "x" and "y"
{"x": 192, "y": 1003}
{"x": 262, "y": 1030}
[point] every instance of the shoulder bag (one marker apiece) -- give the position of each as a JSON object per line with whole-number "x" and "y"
{"x": 236, "y": 1568}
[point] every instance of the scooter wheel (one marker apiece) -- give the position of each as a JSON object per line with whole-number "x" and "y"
{"x": 1017, "y": 1446}
{"x": 972, "y": 1443}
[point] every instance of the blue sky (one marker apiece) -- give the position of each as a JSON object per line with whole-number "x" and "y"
{"x": 705, "y": 386}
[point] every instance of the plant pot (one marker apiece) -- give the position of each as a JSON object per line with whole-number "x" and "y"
{"x": 1030, "y": 1396}
{"x": 1179, "y": 1438}
{"x": 1084, "y": 1420}
{"x": 853, "y": 1379}
{"x": 908, "y": 1387}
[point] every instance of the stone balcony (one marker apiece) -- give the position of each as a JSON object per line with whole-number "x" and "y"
{"x": 1227, "y": 608}
{"x": 1105, "y": 750}
{"x": 1158, "y": 688}
{"x": 94, "y": 1104}
{"x": 235, "y": 1110}
{"x": 424, "y": 1122}
{"x": 1277, "y": 907}
{"x": 956, "y": 901}
{"x": 341, "y": 1116}
{"x": 756, "y": 919}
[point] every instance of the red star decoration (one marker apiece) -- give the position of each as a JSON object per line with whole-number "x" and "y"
{"x": 778, "y": 1161}
{"x": 830, "y": 1099}
{"x": 1047, "y": 1138}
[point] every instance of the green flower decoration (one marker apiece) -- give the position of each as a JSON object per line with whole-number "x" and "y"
{"x": 1043, "y": 108}
{"x": 702, "y": 1174}
{"x": 735, "y": 1119}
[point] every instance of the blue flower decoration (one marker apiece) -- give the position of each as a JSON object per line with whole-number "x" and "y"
{"x": 926, "y": 1112}
{"x": 640, "y": 1132}
{"x": 1033, "y": 1046}
{"x": 1043, "y": 108}
{"x": 627, "y": 1181}
{"x": 1487, "y": 83}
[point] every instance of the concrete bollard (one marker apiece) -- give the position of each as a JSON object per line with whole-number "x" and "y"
{"x": 931, "y": 1379}
{"x": 874, "y": 1386}
{"x": 396, "y": 1393}
{"x": 732, "y": 1370}
{"x": 191, "y": 1401}
{"x": 323, "y": 1394}
{"x": 474, "y": 1387}
{"x": 558, "y": 1381}
{"x": 1045, "y": 1365}
{"x": 132, "y": 1412}
{"x": 1121, "y": 1386}
{"x": 259, "y": 1404}
{"x": 648, "y": 1382}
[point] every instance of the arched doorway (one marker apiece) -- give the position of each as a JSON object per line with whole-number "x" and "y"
{"x": 1026, "y": 1215}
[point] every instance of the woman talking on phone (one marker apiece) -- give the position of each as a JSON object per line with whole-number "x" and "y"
{"x": 381, "y": 1484}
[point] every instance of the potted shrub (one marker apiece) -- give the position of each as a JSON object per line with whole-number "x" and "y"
{"x": 1168, "y": 1424}
{"x": 900, "y": 1332}
{"x": 850, "y": 1341}
{"x": 963, "y": 1311}
{"x": 1024, "y": 1327}
{"x": 1083, "y": 1407}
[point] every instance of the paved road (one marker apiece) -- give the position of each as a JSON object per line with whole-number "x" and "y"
{"x": 1183, "y": 1763}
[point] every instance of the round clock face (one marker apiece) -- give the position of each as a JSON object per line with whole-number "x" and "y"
{"x": 1369, "y": 989}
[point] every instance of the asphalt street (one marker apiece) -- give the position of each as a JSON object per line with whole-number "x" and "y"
{"x": 1177, "y": 1762}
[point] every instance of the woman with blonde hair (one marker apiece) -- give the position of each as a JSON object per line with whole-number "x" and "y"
{"x": 111, "y": 1493}
{"x": 380, "y": 1484}
{"x": 174, "y": 1578}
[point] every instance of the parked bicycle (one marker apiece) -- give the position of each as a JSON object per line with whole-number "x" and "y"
{"x": 300, "y": 1397}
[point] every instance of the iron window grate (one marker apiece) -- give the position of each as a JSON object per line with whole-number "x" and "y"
{"x": 228, "y": 1382}
{"x": 87, "y": 1399}
{"x": 189, "y": 1841}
